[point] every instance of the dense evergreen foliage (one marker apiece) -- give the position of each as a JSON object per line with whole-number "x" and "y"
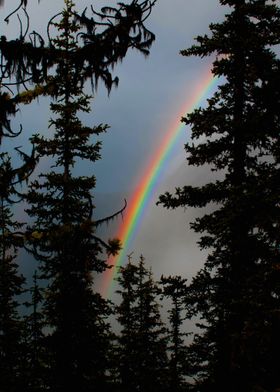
{"x": 237, "y": 292}
{"x": 36, "y": 356}
{"x": 142, "y": 341}
{"x": 63, "y": 343}
{"x": 62, "y": 236}
{"x": 11, "y": 282}
{"x": 175, "y": 289}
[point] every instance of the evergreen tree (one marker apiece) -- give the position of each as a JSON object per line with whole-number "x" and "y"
{"x": 237, "y": 292}
{"x": 30, "y": 61}
{"x": 11, "y": 282}
{"x": 63, "y": 236}
{"x": 12, "y": 342}
{"x": 36, "y": 357}
{"x": 175, "y": 288}
{"x": 142, "y": 341}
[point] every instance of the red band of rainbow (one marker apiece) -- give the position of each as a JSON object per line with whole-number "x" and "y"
{"x": 141, "y": 196}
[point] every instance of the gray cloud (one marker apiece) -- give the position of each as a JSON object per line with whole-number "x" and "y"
{"x": 148, "y": 100}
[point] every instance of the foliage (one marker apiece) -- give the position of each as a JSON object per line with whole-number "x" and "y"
{"x": 237, "y": 293}
{"x": 65, "y": 342}
{"x": 142, "y": 341}
{"x": 62, "y": 236}
{"x": 122, "y": 28}
{"x": 175, "y": 288}
{"x": 36, "y": 357}
{"x": 105, "y": 42}
{"x": 11, "y": 282}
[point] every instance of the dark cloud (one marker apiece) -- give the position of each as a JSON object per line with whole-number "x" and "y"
{"x": 148, "y": 100}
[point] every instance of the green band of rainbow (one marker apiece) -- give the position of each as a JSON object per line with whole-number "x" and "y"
{"x": 141, "y": 196}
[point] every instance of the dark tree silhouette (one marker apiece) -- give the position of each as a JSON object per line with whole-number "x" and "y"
{"x": 142, "y": 341}
{"x": 36, "y": 361}
{"x": 174, "y": 288}
{"x": 12, "y": 337}
{"x": 11, "y": 282}
{"x": 63, "y": 236}
{"x": 237, "y": 292}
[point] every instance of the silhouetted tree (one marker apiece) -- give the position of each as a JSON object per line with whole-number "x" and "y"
{"x": 142, "y": 341}
{"x": 63, "y": 235}
{"x": 12, "y": 342}
{"x": 36, "y": 357}
{"x": 175, "y": 289}
{"x": 237, "y": 135}
{"x": 11, "y": 281}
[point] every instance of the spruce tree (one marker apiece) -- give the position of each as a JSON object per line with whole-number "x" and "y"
{"x": 142, "y": 340}
{"x": 237, "y": 293}
{"x": 63, "y": 237}
{"x": 174, "y": 288}
{"x": 11, "y": 281}
{"x": 28, "y": 59}
{"x": 36, "y": 357}
{"x": 12, "y": 337}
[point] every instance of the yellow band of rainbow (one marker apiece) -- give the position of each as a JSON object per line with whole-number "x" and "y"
{"x": 146, "y": 185}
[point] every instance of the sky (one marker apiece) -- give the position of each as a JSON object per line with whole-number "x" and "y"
{"x": 151, "y": 97}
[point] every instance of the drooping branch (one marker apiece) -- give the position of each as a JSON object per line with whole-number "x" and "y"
{"x": 108, "y": 37}
{"x": 111, "y": 217}
{"x": 10, "y": 178}
{"x": 23, "y": 3}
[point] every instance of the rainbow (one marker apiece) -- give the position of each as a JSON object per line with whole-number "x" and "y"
{"x": 141, "y": 196}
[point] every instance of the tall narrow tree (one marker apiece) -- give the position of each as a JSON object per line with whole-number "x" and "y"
{"x": 12, "y": 348}
{"x": 30, "y": 61}
{"x": 174, "y": 288}
{"x": 36, "y": 356}
{"x": 11, "y": 281}
{"x": 63, "y": 236}
{"x": 235, "y": 135}
{"x": 142, "y": 341}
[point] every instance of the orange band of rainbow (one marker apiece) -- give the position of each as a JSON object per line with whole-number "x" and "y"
{"x": 141, "y": 196}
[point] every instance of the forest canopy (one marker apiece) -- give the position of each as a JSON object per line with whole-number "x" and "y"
{"x": 215, "y": 330}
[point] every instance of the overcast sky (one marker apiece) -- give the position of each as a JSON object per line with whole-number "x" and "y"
{"x": 149, "y": 98}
